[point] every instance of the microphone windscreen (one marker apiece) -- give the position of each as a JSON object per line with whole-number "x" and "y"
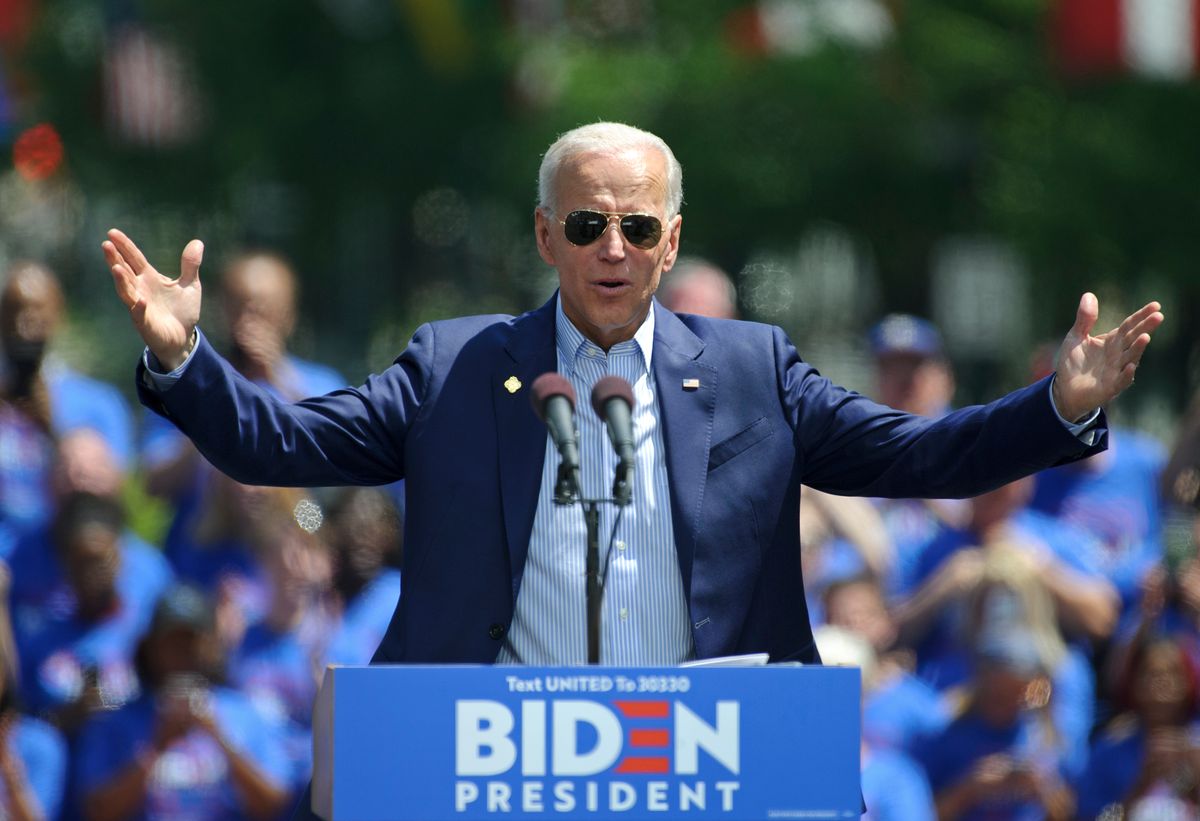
{"x": 610, "y": 387}
{"x": 547, "y": 385}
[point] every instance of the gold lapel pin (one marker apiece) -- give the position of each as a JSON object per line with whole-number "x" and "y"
{"x": 512, "y": 384}
{"x": 691, "y": 384}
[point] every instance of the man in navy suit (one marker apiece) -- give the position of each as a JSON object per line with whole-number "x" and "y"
{"x": 729, "y": 421}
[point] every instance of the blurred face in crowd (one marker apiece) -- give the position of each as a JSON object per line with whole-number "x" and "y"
{"x": 30, "y": 311}
{"x": 859, "y": 607}
{"x": 996, "y": 507}
{"x": 365, "y": 531}
{"x": 914, "y": 383}
{"x": 606, "y": 286}
{"x": 86, "y": 464}
{"x": 92, "y": 557}
{"x": 179, "y": 649}
{"x": 1002, "y": 692}
{"x": 259, "y": 300}
{"x": 702, "y": 291}
{"x": 297, "y": 563}
{"x": 1160, "y": 685}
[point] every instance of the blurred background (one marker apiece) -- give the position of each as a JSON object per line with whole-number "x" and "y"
{"x": 979, "y": 162}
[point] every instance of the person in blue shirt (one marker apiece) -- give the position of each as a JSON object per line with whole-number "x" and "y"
{"x": 894, "y": 787}
{"x": 1001, "y": 757}
{"x": 33, "y": 755}
{"x": 76, "y": 642}
{"x": 86, "y": 467}
{"x": 899, "y": 708}
{"x": 1148, "y": 759}
{"x": 189, "y": 747}
{"x": 366, "y": 534}
{"x": 42, "y": 399}
{"x": 33, "y": 766}
{"x": 277, "y": 665}
{"x": 950, "y": 568}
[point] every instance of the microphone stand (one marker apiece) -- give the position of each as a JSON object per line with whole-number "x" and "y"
{"x": 567, "y": 492}
{"x": 595, "y": 593}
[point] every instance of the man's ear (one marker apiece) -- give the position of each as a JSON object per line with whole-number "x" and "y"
{"x": 541, "y": 231}
{"x": 674, "y": 228}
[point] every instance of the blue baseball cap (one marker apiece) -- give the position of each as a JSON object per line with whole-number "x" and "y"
{"x": 905, "y": 334}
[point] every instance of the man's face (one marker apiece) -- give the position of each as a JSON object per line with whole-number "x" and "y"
{"x": 606, "y": 286}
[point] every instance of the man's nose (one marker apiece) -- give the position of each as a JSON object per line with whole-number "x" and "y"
{"x": 612, "y": 242}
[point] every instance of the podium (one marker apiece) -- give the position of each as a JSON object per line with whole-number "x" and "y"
{"x": 434, "y": 743}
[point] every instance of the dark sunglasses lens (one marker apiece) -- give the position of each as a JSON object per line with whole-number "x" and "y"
{"x": 583, "y": 227}
{"x": 641, "y": 230}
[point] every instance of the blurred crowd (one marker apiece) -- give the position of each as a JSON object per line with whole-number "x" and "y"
{"x": 1028, "y": 654}
{"x": 171, "y": 680}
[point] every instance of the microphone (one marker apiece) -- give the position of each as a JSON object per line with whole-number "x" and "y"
{"x": 612, "y": 399}
{"x": 554, "y": 403}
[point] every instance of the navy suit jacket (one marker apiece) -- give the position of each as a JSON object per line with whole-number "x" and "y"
{"x": 737, "y": 449}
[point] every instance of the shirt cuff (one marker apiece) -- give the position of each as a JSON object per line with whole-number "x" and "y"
{"x": 154, "y": 376}
{"x": 1083, "y": 431}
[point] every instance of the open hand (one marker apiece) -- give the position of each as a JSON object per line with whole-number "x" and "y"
{"x": 164, "y": 310}
{"x": 1092, "y": 370}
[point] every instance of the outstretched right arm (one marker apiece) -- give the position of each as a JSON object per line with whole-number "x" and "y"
{"x": 352, "y": 436}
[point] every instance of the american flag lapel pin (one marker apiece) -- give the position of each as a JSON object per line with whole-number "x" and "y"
{"x": 691, "y": 384}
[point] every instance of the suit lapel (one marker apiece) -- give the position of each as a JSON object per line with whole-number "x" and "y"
{"x": 686, "y": 415}
{"x": 520, "y": 435}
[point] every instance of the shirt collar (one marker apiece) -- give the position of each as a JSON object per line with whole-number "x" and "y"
{"x": 571, "y": 342}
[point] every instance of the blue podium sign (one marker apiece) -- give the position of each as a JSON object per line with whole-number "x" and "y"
{"x": 409, "y": 743}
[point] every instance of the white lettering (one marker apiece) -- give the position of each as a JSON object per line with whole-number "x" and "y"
{"x": 691, "y": 796}
{"x": 593, "y": 796}
{"x": 479, "y": 726}
{"x": 464, "y": 793}
{"x": 721, "y": 741}
{"x": 568, "y": 715}
{"x": 533, "y": 738}
{"x": 656, "y": 796}
{"x": 531, "y": 796}
{"x": 621, "y": 796}
{"x": 564, "y": 796}
{"x": 498, "y": 795}
{"x": 727, "y": 789}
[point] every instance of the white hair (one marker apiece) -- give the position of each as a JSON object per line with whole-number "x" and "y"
{"x": 607, "y": 138}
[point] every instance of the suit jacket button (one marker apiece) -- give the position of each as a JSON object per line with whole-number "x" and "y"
{"x": 497, "y": 631}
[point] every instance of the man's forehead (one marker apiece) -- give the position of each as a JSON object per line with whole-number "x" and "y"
{"x": 631, "y": 172}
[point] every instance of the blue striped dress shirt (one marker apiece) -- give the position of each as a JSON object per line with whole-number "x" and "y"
{"x": 644, "y": 620}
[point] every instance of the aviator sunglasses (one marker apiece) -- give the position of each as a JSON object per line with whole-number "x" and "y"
{"x": 585, "y": 227}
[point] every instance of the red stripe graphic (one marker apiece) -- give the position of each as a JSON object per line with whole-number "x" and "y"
{"x": 649, "y": 738}
{"x": 644, "y": 709}
{"x": 644, "y": 765}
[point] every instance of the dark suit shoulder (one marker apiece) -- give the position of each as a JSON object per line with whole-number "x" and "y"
{"x": 707, "y": 327}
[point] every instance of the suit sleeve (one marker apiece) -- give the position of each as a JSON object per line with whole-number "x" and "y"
{"x": 353, "y": 436}
{"x": 851, "y": 445}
